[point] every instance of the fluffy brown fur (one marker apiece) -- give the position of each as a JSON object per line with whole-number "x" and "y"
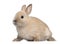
{"x": 31, "y": 28}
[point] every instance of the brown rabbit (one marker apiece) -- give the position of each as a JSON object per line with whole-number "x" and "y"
{"x": 31, "y": 28}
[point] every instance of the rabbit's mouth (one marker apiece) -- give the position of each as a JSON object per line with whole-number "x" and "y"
{"x": 14, "y": 23}
{"x": 17, "y": 23}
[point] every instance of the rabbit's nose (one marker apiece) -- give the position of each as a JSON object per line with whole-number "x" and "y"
{"x": 14, "y": 20}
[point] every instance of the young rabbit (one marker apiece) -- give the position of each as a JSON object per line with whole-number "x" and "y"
{"x": 31, "y": 28}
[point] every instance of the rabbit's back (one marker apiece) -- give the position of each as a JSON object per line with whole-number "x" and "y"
{"x": 40, "y": 26}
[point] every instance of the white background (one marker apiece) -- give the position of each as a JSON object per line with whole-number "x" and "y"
{"x": 46, "y": 10}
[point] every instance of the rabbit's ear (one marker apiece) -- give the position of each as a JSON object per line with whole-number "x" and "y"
{"x": 29, "y": 8}
{"x": 23, "y": 7}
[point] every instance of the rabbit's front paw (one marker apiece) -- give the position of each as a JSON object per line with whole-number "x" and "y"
{"x": 17, "y": 39}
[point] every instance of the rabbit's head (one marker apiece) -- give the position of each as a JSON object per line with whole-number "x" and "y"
{"x": 22, "y": 17}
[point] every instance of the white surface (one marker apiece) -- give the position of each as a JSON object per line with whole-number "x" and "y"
{"x": 46, "y": 10}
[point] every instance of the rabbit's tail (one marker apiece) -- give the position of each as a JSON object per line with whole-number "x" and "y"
{"x": 51, "y": 39}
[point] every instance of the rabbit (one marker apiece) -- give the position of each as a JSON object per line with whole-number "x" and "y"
{"x": 30, "y": 28}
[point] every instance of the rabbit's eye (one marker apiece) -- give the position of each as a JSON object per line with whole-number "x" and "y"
{"x": 22, "y": 17}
